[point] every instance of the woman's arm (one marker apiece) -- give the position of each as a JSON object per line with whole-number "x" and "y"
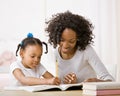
{"x": 96, "y": 80}
{"x": 97, "y": 66}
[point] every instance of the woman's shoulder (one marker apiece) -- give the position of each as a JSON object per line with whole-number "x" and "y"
{"x": 89, "y": 48}
{"x": 90, "y": 52}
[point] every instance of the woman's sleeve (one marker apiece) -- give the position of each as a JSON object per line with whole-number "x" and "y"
{"x": 97, "y": 64}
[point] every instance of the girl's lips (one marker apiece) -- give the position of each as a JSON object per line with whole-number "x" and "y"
{"x": 35, "y": 64}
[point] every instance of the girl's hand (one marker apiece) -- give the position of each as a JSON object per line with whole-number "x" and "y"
{"x": 95, "y": 80}
{"x": 70, "y": 78}
{"x": 54, "y": 81}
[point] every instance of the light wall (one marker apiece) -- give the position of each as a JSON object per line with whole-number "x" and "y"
{"x": 118, "y": 38}
{"x": 17, "y": 18}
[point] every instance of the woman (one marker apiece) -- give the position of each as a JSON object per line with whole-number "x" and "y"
{"x": 72, "y": 36}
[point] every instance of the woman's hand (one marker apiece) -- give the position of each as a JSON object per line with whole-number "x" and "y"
{"x": 95, "y": 80}
{"x": 70, "y": 78}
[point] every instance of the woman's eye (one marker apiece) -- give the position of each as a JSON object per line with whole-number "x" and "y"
{"x": 62, "y": 40}
{"x": 72, "y": 41}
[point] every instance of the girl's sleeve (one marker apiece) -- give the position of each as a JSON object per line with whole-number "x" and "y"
{"x": 13, "y": 66}
{"x": 97, "y": 64}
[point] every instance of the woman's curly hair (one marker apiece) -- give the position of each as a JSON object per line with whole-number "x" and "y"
{"x": 79, "y": 24}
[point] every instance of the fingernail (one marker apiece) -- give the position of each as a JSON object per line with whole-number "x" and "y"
{"x": 69, "y": 81}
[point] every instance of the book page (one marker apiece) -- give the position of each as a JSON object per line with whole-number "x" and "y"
{"x": 36, "y": 88}
{"x": 40, "y": 87}
{"x": 67, "y": 86}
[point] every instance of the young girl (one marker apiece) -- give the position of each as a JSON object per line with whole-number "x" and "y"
{"x": 72, "y": 36}
{"x": 29, "y": 71}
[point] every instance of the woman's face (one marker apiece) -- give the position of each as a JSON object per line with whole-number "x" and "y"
{"x": 68, "y": 41}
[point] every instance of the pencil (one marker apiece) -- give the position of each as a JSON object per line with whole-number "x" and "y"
{"x": 56, "y": 68}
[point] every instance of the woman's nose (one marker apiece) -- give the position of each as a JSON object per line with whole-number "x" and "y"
{"x": 65, "y": 44}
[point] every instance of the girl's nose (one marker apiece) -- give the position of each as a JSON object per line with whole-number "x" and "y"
{"x": 37, "y": 59}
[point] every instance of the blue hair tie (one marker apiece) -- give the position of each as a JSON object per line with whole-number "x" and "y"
{"x": 29, "y": 35}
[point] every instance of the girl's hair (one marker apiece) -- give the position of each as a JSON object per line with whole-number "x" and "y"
{"x": 79, "y": 24}
{"x": 30, "y": 41}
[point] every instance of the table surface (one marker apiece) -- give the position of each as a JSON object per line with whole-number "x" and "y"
{"x": 43, "y": 93}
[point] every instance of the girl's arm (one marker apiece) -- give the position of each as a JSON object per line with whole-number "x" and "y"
{"x": 49, "y": 79}
{"x": 47, "y": 75}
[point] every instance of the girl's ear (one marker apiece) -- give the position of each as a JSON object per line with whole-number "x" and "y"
{"x": 21, "y": 53}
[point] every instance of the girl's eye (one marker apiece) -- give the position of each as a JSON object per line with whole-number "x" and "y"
{"x": 39, "y": 57}
{"x": 32, "y": 56}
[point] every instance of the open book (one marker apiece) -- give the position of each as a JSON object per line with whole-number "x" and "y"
{"x": 36, "y": 88}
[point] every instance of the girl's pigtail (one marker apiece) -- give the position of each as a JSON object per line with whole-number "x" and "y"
{"x": 46, "y": 47}
{"x": 18, "y": 47}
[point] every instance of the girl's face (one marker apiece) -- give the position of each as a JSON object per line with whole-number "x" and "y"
{"x": 68, "y": 41}
{"x": 31, "y": 56}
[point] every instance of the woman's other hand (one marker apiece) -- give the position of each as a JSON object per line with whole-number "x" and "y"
{"x": 70, "y": 78}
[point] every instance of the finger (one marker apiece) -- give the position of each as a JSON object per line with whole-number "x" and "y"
{"x": 67, "y": 78}
{"x": 65, "y": 81}
{"x": 89, "y": 80}
{"x": 58, "y": 81}
{"x": 68, "y": 81}
{"x": 71, "y": 77}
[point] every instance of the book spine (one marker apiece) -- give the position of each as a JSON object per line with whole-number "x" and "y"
{"x": 100, "y": 87}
